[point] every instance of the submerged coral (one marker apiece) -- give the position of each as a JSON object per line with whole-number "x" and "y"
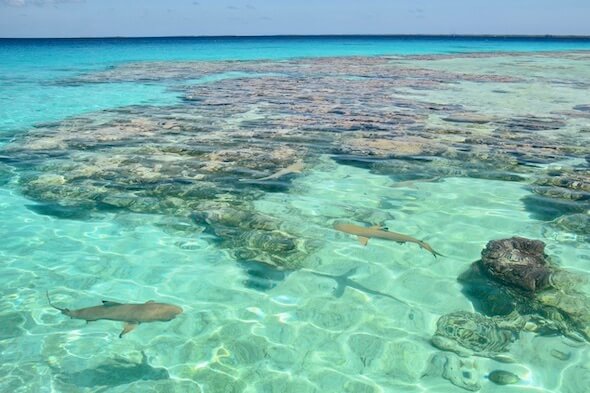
{"x": 213, "y": 154}
{"x": 503, "y": 377}
{"x": 467, "y": 333}
{"x": 520, "y": 280}
{"x": 517, "y": 262}
{"x": 461, "y": 372}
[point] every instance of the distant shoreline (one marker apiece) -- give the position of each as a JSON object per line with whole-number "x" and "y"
{"x": 550, "y": 37}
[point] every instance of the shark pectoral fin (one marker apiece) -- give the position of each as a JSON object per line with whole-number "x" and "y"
{"x": 107, "y": 303}
{"x": 129, "y": 326}
{"x": 379, "y": 227}
{"x": 363, "y": 240}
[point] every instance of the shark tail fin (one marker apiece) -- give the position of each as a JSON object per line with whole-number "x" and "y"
{"x": 63, "y": 310}
{"x": 427, "y": 247}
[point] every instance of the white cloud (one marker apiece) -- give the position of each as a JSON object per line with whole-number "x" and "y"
{"x": 39, "y": 3}
{"x": 15, "y": 3}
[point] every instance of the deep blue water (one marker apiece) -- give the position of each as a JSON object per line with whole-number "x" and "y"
{"x": 89, "y": 51}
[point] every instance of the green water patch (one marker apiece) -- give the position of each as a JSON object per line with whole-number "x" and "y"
{"x": 299, "y": 325}
{"x": 24, "y": 105}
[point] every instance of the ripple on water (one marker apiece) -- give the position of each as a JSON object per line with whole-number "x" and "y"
{"x": 146, "y": 202}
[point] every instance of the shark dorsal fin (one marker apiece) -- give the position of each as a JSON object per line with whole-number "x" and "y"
{"x": 108, "y": 303}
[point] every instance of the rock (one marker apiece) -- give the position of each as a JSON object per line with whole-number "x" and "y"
{"x": 468, "y": 118}
{"x": 367, "y": 347}
{"x": 502, "y": 377}
{"x": 400, "y": 147}
{"x": 566, "y": 191}
{"x": 518, "y": 262}
{"x": 568, "y": 310}
{"x": 546, "y": 300}
{"x": 577, "y": 223}
{"x": 460, "y": 372}
{"x": 404, "y": 361}
{"x": 561, "y": 193}
{"x": 548, "y": 209}
{"x": 575, "y": 181}
{"x": 557, "y": 354}
{"x": 532, "y": 123}
{"x": 467, "y": 333}
{"x": 488, "y": 297}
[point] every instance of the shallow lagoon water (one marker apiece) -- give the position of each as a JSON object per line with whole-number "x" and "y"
{"x": 90, "y": 212}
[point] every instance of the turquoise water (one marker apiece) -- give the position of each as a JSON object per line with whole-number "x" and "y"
{"x": 27, "y": 66}
{"x": 209, "y": 174}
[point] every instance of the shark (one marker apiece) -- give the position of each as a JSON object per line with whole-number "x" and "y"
{"x": 131, "y": 314}
{"x": 296, "y": 167}
{"x": 379, "y": 232}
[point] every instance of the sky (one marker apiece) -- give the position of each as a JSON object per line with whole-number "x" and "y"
{"x": 106, "y": 18}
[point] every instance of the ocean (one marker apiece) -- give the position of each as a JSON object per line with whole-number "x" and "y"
{"x": 332, "y": 214}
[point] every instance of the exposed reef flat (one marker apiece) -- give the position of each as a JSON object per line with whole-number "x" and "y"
{"x": 411, "y": 118}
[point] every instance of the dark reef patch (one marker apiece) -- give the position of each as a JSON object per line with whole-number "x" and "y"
{"x": 59, "y": 211}
{"x": 260, "y": 276}
{"x": 548, "y": 209}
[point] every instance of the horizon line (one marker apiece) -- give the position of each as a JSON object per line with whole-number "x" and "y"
{"x": 408, "y": 35}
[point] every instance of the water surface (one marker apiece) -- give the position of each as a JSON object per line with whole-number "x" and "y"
{"x": 130, "y": 170}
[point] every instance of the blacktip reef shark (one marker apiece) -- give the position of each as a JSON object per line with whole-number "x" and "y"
{"x": 379, "y": 232}
{"x": 131, "y": 314}
{"x": 296, "y": 167}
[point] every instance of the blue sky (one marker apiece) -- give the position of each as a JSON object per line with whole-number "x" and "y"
{"x": 83, "y": 18}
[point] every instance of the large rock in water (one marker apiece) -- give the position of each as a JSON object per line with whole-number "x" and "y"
{"x": 467, "y": 333}
{"x": 515, "y": 278}
{"x": 517, "y": 262}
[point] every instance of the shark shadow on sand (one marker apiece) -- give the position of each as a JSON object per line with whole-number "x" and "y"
{"x": 116, "y": 372}
{"x": 262, "y": 277}
{"x": 343, "y": 281}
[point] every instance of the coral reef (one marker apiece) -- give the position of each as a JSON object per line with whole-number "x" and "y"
{"x": 467, "y": 334}
{"x": 515, "y": 277}
{"x": 212, "y": 155}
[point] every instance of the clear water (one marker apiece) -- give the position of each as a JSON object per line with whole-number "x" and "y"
{"x": 248, "y": 327}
